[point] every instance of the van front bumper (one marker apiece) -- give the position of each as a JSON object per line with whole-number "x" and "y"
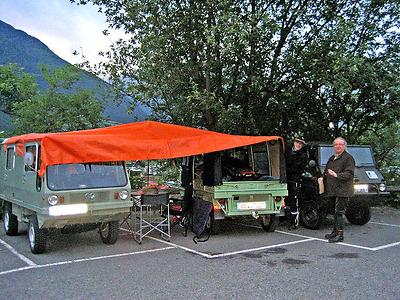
{"x": 62, "y": 215}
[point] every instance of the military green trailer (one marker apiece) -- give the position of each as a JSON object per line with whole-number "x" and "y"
{"x": 69, "y": 197}
{"x": 252, "y": 185}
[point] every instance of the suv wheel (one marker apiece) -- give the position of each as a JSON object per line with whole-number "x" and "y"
{"x": 358, "y": 214}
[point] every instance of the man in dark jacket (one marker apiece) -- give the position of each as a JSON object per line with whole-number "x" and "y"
{"x": 296, "y": 161}
{"x": 338, "y": 179}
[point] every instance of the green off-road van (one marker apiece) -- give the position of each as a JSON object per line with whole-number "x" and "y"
{"x": 70, "y": 197}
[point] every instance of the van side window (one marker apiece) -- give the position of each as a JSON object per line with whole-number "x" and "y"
{"x": 10, "y": 158}
{"x": 31, "y": 149}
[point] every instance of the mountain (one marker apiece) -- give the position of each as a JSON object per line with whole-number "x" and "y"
{"x": 16, "y": 46}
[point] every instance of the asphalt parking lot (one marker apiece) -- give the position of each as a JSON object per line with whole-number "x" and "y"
{"x": 241, "y": 262}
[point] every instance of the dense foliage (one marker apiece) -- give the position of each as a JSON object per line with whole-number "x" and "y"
{"x": 58, "y": 108}
{"x": 55, "y": 109}
{"x": 15, "y": 86}
{"x": 260, "y": 67}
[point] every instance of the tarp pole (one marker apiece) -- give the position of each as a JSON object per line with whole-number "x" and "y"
{"x": 148, "y": 172}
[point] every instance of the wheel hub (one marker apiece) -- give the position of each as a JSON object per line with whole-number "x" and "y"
{"x": 31, "y": 235}
{"x": 310, "y": 215}
{"x": 266, "y": 219}
{"x": 104, "y": 229}
{"x": 6, "y": 221}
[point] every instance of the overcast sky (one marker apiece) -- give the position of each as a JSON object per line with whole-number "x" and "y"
{"x": 62, "y": 26}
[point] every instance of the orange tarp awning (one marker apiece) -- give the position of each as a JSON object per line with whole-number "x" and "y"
{"x": 134, "y": 141}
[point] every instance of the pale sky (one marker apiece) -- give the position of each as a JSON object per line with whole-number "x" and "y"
{"x": 62, "y": 26}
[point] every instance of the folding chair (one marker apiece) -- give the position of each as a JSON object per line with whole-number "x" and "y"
{"x": 180, "y": 210}
{"x": 152, "y": 214}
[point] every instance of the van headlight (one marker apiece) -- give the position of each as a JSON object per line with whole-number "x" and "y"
{"x": 382, "y": 187}
{"x": 123, "y": 195}
{"x": 52, "y": 199}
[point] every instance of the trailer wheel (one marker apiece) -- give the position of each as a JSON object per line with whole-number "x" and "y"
{"x": 310, "y": 216}
{"x": 10, "y": 221}
{"x": 358, "y": 214}
{"x": 37, "y": 237}
{"x": 213, "y": 225}
{"x": 268, "y": 222}
{"x": 109, "y": 232}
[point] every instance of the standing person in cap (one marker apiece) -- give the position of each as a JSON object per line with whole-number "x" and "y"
{"x": 296, "y": 162}
{"x": 338, "y": 179}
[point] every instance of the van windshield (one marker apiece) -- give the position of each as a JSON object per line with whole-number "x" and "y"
{"x": 86, "y": 176}
{"x": 362, "y": 155}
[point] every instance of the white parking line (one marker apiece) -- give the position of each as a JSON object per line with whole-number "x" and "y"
{"x": 315, "y": 239}
{"x": 18, "y": 270}
{"x": 326, "y": 241}
{"x": 345, "y": 244}
{"x": 385, "y": 224}
{"x": 386, "y": 246}
{"x": 19, "y": 255}
{"x": 261, "y": 248}
{"x": 180, "y": 247}
{"x": 229, "y": 253}
{"x": 83, "y": 260}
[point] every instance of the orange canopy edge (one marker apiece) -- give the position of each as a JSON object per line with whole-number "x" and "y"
{"x": 145, "y": 140}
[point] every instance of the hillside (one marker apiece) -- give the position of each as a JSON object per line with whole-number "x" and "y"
{"x": 18, "y": 47}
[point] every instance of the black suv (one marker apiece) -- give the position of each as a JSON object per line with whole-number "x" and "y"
{"x": 369, "y": 186}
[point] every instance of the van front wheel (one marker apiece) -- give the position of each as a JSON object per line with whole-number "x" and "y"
{"x": 109, "y": 232}
{"x": 10, "y": 223}
{"x": 37, "y": 236}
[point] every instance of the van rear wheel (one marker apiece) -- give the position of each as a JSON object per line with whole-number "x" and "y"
{"x": 109, "y": 232}
{"x": 37, "y": 237}
{"x": 10, "y": 221}
{"x": 268, "y": 222}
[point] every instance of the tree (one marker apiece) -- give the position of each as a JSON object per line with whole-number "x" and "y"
{"x": 60, "y": 107}
{"x": 385, "y": 143}
{"x": 261, "y": 67}
{"x": 15, "y": 86}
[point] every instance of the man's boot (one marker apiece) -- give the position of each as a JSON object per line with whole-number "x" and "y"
{"x": 332, "y": 234}
{"x": 338, "y": 238}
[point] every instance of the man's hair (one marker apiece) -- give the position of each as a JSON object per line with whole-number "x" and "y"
{"x": 340, "y": 139}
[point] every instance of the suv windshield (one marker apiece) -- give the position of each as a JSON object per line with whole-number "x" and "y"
{"x": 86, "y": 176}
{"x": 362, "y": 155}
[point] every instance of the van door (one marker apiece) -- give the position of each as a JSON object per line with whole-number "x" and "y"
{"x": 29, "y": 189}
{"x": 9, "y": 172}
{"x": 2, "y": 169}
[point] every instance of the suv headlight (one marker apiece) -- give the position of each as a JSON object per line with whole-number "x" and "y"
{"x": 53, "y": 200}
{"x": 361, "y": 188}
{"x": 382, "y": 187}
{"x": 123, "y": 195}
